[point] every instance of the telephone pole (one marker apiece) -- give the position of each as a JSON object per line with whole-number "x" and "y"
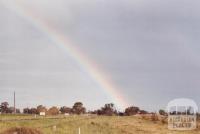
{"x": 14, "y": 104}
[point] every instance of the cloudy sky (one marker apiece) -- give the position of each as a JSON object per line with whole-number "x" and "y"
{"x": 148, "y": 48}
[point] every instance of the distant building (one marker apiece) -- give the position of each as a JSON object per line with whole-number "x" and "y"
{"x": 66, "y": 114}
{"x": 42, "y": 114}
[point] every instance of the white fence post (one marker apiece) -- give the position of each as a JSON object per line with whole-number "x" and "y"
{"x": 79, "y": 130}
{"x": 54, "y": 128}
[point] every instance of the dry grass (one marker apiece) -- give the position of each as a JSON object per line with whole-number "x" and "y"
{"x": 92, "y": 125}
{"x": 22, "y": 130}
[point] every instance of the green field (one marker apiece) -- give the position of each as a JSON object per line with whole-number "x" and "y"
{"x": 88, "y": 124}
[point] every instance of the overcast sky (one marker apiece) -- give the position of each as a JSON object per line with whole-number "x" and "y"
{"x": 149, "y": 48}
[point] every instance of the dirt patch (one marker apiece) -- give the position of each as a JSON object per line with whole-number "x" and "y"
{"x": 22, "y": 130}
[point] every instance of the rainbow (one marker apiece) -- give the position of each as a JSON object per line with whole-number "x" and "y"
{"x": 65, "y": 44}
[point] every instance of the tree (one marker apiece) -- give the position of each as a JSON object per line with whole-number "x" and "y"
{"x": 30, "y": 111}
{"x": 162, "y": 112}
{"x": 108, "y": 109}
{"x": 41, "y": 108}
{"x": 4, "y": 107}
{"x": 53, "y": 111}
{"x": 33, "y": 111}
{"x": 18, "y": 111}
{"x": 10, "y": 110}
{"x": 131, "y": 110}
{"x": 78, "y": 108}
{"x": 190, "y": 111}
{"x": 26, "y": 110}
{"x": 65, "y": 109}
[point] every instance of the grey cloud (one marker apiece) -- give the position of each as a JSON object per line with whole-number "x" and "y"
{"x": 148, "y": 48}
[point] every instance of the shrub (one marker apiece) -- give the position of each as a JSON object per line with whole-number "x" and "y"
{"x": 53, "y": 111}
{"x": 131, "y": 110}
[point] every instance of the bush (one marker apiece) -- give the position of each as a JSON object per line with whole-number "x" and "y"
{"x": 53, "y": 111}
{"x": 162, "y": 112}
{"x": 65, "y": 109}
{"x": 131, "y": 110}
{"x": 108, "y": 110}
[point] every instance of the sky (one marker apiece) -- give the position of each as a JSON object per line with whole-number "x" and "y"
{"x": 149, "y": 49}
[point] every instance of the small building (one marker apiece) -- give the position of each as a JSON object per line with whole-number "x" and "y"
{"x": 42, "y": 113}
{"x": 66, "y": 114}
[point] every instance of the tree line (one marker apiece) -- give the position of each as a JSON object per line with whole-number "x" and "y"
{"x": 78, "y": 108}
{"x": 4, "y": 108}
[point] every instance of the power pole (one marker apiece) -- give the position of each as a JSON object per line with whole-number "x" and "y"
{"x": 14, "y": 104}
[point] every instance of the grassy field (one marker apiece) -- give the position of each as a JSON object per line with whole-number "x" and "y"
{"x": 88, "y": 125}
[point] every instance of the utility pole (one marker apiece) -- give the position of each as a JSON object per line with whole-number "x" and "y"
{"x": 14, "y": 104}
